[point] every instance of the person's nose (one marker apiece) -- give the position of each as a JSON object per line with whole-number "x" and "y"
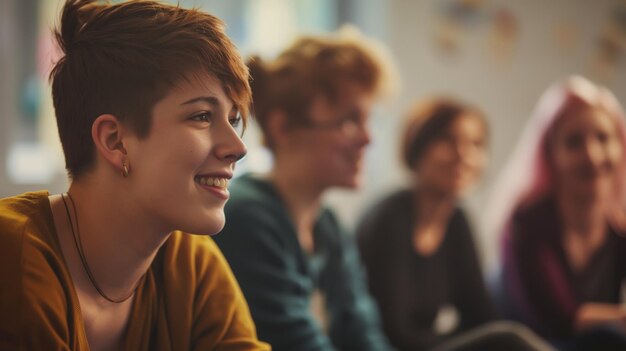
{"x": 593, "y": 152}
{"x": 460, "y": 150}
{"x": 230, "y": 148}
{"x": 363, "y": 134}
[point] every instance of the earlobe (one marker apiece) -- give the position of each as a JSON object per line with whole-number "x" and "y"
{"x": 107, "y": 134}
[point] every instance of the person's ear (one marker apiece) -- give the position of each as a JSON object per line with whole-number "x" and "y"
{"x": 107, "y": 133}
{"x": 277, "y": 127}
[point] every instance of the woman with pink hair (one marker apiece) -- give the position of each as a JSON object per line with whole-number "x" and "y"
{"x": 561, "y": 211}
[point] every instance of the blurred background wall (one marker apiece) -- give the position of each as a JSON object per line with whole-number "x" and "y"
{"x": 499, "y": 55}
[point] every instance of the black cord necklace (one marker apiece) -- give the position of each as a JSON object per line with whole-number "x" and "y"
{"x": 81, "y": 253}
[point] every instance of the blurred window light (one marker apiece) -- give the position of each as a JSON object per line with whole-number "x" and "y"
{"x": 30, "y": 163}
{"x": 273, "y": 23}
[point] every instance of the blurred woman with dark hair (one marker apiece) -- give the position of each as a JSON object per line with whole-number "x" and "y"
{"x": 418, "y": 247}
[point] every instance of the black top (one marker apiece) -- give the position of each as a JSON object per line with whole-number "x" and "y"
{"x": 411, "y": 288}
{"x": 546, "y": 286}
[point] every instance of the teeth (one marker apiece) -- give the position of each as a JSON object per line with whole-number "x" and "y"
{"x": 213, "y": 181}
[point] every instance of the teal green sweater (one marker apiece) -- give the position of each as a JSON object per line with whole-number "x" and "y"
{"x": 278, "y": 277}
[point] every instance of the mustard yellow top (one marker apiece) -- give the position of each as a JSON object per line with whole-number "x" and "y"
{"x": 188, "y": 300}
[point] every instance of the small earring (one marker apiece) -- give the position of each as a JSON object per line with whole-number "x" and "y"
{"x": 125, "y": 170}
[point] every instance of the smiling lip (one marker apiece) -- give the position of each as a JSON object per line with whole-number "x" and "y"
{"x": 221, "y": 193}
{"x": 217, "y": 184}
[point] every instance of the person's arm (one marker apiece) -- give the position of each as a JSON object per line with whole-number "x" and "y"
{"x": 354, "y": 320}
{"x": 471, "y": 297}
{"x": 35, "y": 311}
{"x": 593, "y": 314}
{"x": 266, "y": 271}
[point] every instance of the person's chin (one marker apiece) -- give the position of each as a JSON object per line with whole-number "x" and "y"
{"x": 600, "y": 192}
{"x": 352, "y": 183}
{"x": 211, "y": 225}
{"x": 216, "y": 228}
{"x": 461, "y": 188}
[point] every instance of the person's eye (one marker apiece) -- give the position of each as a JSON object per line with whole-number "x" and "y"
{"x": 235, "y": 120}
{"x": 357, "y": 118}
{"x": 205, "y": 116}
{"x": 573, "y": 142}
{"x": 448, "y": 139}
{"x": 603, "y": 137}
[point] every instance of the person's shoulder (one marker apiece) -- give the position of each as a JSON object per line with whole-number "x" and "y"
{"x": 35, "y": 281}
{"x": 328, "y": 217}
{"x": 394, "y": 202}
{"x": 250, "y": 187}
{"x": 383, "y": 211}
{"x": 535, "y": 221}
{"x": 184, "y": 249}
{"x": 400, "y": 198}
{"x": 328, "y": 228}
{"x": 535, "y": 210}
{"x": 252, "y": 193}
{"x": 203, "y": 294}
{"x": 254, "y": 209}
{"x": 16, "y": 211}
{"x": 24, "y": 219}
{"x": 191, "y": 258}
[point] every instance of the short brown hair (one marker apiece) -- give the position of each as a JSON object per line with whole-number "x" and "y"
{"x": 428, "y": 120}
{"x": 310, "y": 67}
{"x": 123, "y": 58}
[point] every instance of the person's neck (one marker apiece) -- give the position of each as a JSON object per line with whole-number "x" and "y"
{"x": 118, "y": 240}
{"x": 433, "y": 210}
{"x": 301, "y": 196}
{"x": 581, "y": 218}
{"x": 433, "y": 207}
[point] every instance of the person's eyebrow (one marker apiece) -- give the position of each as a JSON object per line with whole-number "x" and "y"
{"x": 211, "y": 100}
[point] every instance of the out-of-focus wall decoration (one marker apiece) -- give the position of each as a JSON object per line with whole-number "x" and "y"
{"x": 460, "y": 21}
{"x": 566, "y": 35}
{"x": 456, "y": 20}
{"x": 610, "y": 45}
{"x": 503, "y": 34}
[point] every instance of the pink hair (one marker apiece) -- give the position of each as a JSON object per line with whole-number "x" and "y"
{"x": 527, "y": 175}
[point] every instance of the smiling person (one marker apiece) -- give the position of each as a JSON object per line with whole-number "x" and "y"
{"x": 148, "y": 99}
{"x": 418, "y": 247}
{"x": 299, "y": 271}
{"x": 563, "y": 221}
{"x": 416, "y": 243}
